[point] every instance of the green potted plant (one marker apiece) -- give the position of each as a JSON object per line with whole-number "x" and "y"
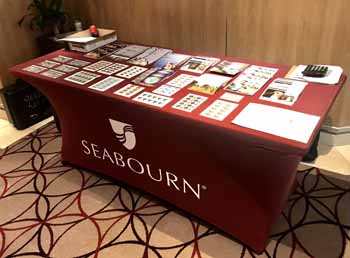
{"x": 50, "y": 18}
{"x": 47, "y": 15}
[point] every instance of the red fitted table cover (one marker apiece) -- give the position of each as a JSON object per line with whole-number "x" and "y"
{"x": 233, "y": 177}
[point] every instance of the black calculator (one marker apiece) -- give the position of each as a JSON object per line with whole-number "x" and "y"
{"x": 315, "y": 71}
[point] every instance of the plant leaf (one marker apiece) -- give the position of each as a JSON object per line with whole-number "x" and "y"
{"x": 45, "y": 13}
{"x": 21, "y": 20}
{"x": 31, "y": 23}
{"x": 59, "y": 5}
{"x": 30, "y": 6}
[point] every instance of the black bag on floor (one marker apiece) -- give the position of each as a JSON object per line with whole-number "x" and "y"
{"x": 25, "y": 105}
{"x": 312, "y": 153}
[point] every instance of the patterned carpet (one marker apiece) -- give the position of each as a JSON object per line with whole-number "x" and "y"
{"x": 48, "y": 209}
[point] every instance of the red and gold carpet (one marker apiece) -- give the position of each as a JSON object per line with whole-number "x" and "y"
{"x": 48, "y": 209}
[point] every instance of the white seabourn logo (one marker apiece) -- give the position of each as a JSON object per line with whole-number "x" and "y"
{"x": 125, "y": 133}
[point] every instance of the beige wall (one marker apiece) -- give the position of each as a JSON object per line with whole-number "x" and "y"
{"x": 284, "y": 32}
{"x": 16, "y": 44}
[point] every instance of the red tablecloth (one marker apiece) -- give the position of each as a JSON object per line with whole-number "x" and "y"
{"x": 233, "y": 177}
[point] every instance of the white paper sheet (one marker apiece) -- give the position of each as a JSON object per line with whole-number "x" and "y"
{"x": 79, "y": 40}
{"x": 277, "y": 121}
{"x": 332, "y": 77}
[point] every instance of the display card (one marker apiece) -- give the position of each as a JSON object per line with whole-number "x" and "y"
{"x": 153, "y": 76}
{"x": 131, "y": 72}
{"x": 190, "y": 102}
{"x": 152, "y": 99}
{"x": 128, "y": 52}
{"x": 246, "y": 84}
{"x": 251, "y": 79}
{"x": 62, "y": 59}
{"x": 129, "y": 90}
{"x": 97, "y": 66}
{"x": 231, "y": 97}
{"x": 100, "y": 52}
{"x": 34, "y": 69}
{"x": 117, "y": 58}
{"x": 166, "y": 90}
{"x": 48, "y": 64}
{"x": 52, "y": 74}
{"x": 79, "y": 63}
{"x": 109, "y": 70}
{"x": 182, "y": 80}
{"x": 261, "y": 71}
{"x": 106, "y": 83}
{"x": 82, "y": 77}
{"x": 219, "y": 110}
{"x": 66, "y": 68}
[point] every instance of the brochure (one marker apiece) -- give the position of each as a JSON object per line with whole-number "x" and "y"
{"x": 208, "y": 83}
{"x": 199, "y": 64}
{"x": 229, "y": 68}
{"x": 149, "y": 56}
{"x": 171, "y": 61}
{"x": 284, "y": 91}
{"x": 252, "y": 79}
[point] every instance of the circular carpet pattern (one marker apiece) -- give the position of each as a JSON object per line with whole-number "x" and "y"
{"x": 49, "y": 209}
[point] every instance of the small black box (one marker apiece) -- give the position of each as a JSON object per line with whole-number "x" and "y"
{"x": 25, "y": 105}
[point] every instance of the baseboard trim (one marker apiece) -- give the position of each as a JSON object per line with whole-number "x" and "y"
{"x": 334, "y": 139}
{"x": 335, "y": 130}
{"x": 335, "y": 136}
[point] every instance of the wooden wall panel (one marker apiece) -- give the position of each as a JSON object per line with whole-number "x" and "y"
{"x": 194, "y": 25}
{"x": 294, "y": 32}
{"x": 284, "y": 32}
{"x": 16, "y": 44}
{"x": 290, "y": 32}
